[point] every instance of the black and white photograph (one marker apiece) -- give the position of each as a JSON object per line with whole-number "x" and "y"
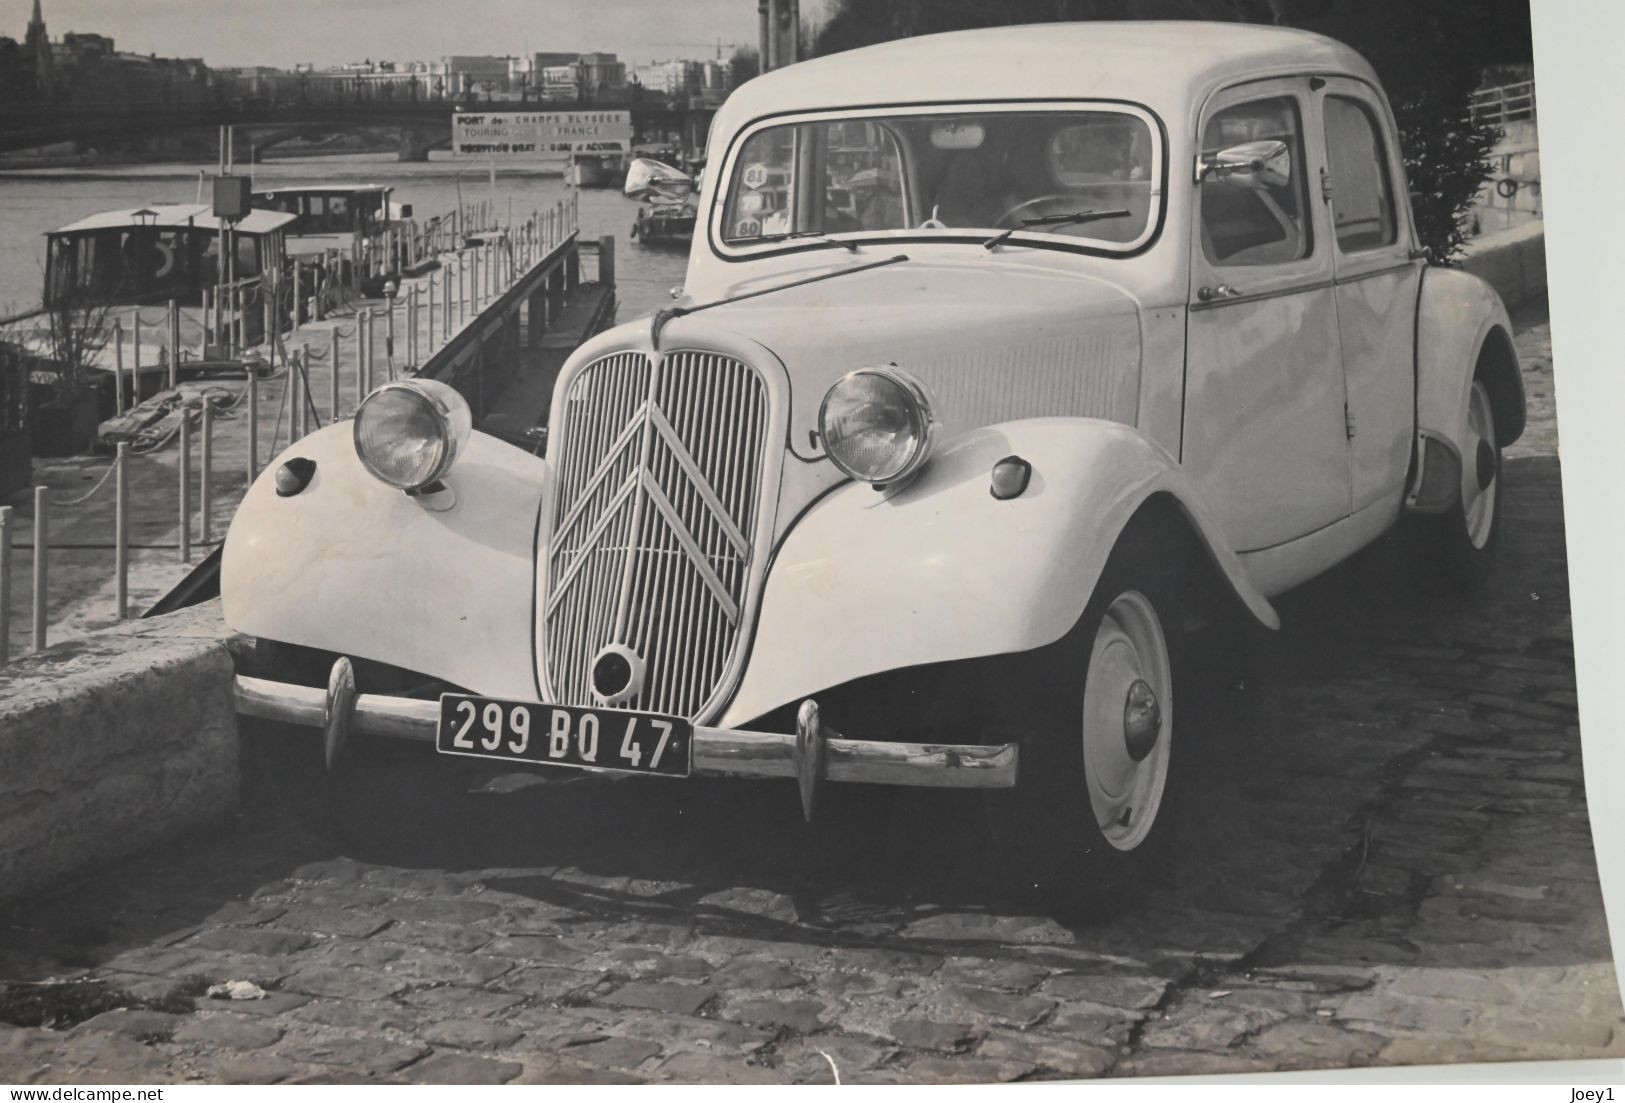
{"x": 786, "y": 542}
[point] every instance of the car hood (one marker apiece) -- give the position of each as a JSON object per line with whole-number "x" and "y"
{"x": 993, "y": 340}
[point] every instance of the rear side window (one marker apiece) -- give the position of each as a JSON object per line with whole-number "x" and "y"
{"x": 1246, "y": 222}
{"x": 1362, "y": 198}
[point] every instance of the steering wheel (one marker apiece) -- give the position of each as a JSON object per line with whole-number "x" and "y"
{"x": 1008, "y": 218}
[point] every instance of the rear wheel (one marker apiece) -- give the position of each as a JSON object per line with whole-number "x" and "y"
{"x": 1094, "y": 805}
{"x": 1481, "y": 472}
{"x": 1449, "y": 547}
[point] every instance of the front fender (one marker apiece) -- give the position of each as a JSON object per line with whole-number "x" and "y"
{"x": 354, "y": 566}
{"x": 867, "y": 582}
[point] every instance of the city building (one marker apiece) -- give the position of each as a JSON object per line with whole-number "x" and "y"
{"x": 671, "y": 78}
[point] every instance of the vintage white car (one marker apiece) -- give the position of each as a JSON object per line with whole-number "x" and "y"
{"x": 1107, "y": 328}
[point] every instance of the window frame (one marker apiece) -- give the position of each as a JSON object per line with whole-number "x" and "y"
{"x": 1405, "y": 249}
{"x": 1157, "y": 178}
{"x": 1259, "y": 280}
{"x": 1366, "y": 111}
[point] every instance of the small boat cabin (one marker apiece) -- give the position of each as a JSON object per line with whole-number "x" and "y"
{"x": 332, "y": 210}
{"x": 153, "y": 254}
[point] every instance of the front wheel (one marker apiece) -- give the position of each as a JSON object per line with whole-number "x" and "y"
{"x": 1092, "y": 811}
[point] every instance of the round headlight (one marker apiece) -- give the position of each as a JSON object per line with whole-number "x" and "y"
{"x": 408, "y": 433}
{"x": 876, "y": 424}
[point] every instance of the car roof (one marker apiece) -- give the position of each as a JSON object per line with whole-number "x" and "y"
{"x": 1170, "y": 66}
{"x": 176, "y": 216}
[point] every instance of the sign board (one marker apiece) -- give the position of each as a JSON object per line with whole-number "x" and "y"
{"x": 231, "y": 197}
{"x": 546, "y": 135}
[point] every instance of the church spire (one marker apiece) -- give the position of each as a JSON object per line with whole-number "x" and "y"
{"x": 41, "y": 45}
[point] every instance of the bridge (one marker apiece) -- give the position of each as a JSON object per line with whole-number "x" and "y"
{"x": 418, "y": 123}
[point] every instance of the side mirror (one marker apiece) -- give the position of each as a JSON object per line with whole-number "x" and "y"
{"x": 1266, "y": 164}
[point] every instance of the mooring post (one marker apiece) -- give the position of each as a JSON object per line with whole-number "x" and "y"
{"x": 118, "y": 366}
{"x": 370, "y": 344}
{"x": 306, "y": 397}
{"x": 431, "y": 312}
{"x": 294, "y": 402}
{"x": 606, "y": 260}
{"x": 333, "y": 366}
{"x": 42, "y": 551}
{"x": 360, "y": 360}
{"x": 253, "y": 423}
{"x": 121, "y": 529}
{"x": 298, "y": 295}
{"x": 206, "y": 473}
{"x": 185, "y": 507}
{"x": 462, "y": 289}
{"x": 391, "y": 295}
{"x": 203, "y": 329}
{"x": 411, "y": 325}
{"x": 173, "y": 339}
{"x": 135, "y": 350}
{"x": 5, "y": 585}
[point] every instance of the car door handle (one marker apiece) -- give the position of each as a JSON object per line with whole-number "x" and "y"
{"x": 1223, "y": 291}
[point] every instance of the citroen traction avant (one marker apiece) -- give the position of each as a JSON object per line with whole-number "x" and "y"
{"x": 1003, "y": 356}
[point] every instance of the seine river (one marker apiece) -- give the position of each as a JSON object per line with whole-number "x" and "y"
{"x": 33, "y": 202}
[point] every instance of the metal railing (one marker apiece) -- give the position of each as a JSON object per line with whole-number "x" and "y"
{"x": 1504, "y": 104}
{"x": 441, "y": 319}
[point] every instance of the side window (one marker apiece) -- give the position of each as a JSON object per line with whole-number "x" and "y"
{"x": 1246, "y": 219}
{"x": 1362, "y": 199}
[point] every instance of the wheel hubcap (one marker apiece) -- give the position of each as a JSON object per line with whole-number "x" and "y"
{"x": 1480, "y": 475}
{"x": 1127, "y": 720}
{"x": 1142, "y": 720}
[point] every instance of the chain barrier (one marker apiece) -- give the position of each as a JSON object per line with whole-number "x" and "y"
{"x": 57, "y": 503}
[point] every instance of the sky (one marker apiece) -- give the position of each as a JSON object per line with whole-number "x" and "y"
{"x": 326, "y": 32}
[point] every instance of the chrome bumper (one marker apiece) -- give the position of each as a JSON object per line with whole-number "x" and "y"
{"x": 814, "y": 755}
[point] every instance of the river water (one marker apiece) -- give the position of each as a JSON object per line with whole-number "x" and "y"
{"x": 33, "y": 202}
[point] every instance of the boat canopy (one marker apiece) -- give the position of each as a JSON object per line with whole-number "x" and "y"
{"x": 174, "y": 216}
{"x": 152, "y": 254}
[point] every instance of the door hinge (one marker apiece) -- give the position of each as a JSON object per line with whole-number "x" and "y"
{"x": 1326, "y": 185}
{"x": 1348, "y": 421}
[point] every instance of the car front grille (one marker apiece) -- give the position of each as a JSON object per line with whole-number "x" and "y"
{"x": 658, "y": 502}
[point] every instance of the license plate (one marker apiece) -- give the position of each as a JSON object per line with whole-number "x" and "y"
{"x": 564, "y": 735}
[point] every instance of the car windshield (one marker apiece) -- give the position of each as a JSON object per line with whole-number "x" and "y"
{"x": 938, "y": 173}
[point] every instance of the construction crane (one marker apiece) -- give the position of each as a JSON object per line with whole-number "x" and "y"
{"x": 718, "y": 44}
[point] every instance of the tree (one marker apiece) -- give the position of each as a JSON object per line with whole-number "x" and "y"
{"x": 1430, "y": 58}
{"x": 744, "y": 65}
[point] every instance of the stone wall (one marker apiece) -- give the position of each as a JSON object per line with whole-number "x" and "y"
{"x": 113, "y": 742}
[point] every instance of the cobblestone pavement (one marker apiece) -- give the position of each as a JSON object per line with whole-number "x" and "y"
{"x": 1390, "y": 863}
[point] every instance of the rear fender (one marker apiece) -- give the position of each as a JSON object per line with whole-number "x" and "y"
{"x": 1462, "y": 333}
{"x": 940, "y": 570}
{"x": 354, "y": 566}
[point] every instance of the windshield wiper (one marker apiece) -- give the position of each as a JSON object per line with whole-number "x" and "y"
{"x": 1071, "y": 218}
{"x": 814, "y": 235}
{"x": 661, "y": 317}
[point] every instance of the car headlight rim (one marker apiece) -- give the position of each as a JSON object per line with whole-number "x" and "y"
{"x": 451, "y": 422}
{"x": 917, "y": 404}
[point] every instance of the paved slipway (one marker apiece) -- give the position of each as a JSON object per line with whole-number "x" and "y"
{"x": 1389, "y": 863}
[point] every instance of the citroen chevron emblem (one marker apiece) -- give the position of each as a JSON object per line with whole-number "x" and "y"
{"x": 638, "y": 491}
